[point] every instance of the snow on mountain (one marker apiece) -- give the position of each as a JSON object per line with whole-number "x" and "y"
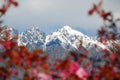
{"x": 59, "y": 43}
{"x": 32, "y": 38}
{"x": 69, "y": 39}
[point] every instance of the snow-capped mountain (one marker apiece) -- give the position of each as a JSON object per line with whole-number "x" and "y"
{"x": 32, "y": 38}
{"x": 68, "y": 37}
{"x": 70, "y": 40}
{"x": 58, "y": 43}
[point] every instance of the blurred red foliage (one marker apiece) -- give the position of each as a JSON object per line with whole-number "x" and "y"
{"x": 17, "y": 63}
{"x": 6, "y": 5}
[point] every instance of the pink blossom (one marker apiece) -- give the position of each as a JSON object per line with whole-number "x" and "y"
{"x": 112, "y": 56}
{"x": 114, "y": 69}
{"x": 73, "y": 67}
{"x": 34, "y": 72}
{"x": 64, "y": 74}
{"x": 43, "y": 76}
{"x": 104, "y": 42}
{"x": 81, "y": 73}
{"x": 14, "y": 72}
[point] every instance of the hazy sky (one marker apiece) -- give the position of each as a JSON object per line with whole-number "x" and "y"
{"x": 50, "y": 15}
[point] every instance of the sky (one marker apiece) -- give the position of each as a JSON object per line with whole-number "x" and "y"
{"x": 50, "y": 15}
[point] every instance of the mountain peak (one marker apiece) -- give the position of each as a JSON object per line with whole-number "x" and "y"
{"x": 32, "y": 38}
{"x": 68, "y": 30}
{"x": 67, "y": 27}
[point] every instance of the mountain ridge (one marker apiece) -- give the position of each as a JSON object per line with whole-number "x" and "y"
{"x": 59, "y": 42}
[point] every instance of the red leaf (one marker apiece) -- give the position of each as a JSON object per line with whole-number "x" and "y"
{"x": 28, "y": 62}
{"x": 7, "y": 44}
{"x": 107, "y": 15}
{"x": 14, "y": 72}
{"x": 105, "y": 50}
{"x": 62, "y": 65}
{"x": 112, "y": 56}
{"x": 92, "y": 10}
{"x": 14, "y": 3}
{"x": 111, "y": 37}
{"x": 3, "y": 10}
{"x": 1, "y": 59}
